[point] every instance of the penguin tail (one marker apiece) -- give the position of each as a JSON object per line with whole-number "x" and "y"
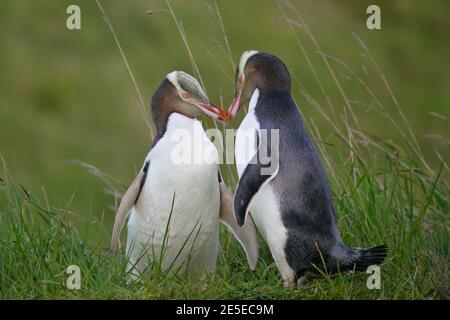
{"x": 360, "y": 259}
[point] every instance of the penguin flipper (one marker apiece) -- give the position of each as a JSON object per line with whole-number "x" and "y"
{"x": 126, "y": 204}
{"x": 260, "y": 170}
{"x": 246, "y": 235}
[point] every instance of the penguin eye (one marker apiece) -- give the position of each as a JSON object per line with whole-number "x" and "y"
{"x": 241, "y": 79}
{"x": 184, "y": 95}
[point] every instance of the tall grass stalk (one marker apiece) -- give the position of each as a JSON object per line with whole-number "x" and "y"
{"x": 141, "y": 104}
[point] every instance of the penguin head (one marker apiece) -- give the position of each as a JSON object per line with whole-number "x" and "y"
{"x": 258, "y": 70}
{"x": 180, "y": 92}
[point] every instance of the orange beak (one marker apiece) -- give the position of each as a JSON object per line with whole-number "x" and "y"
{"x": 214, "y": 112}
{"x": 235, "y": 104}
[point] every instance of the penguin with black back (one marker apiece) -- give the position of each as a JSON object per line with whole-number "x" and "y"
{"x": 282, "y": 182}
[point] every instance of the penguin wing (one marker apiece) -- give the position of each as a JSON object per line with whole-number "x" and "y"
{"x": 126, "y": 204}
{"x": 246, "y": 235}
{"x": 262, "y": 168}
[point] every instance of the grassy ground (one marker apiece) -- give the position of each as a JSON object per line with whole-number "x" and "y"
{"x": 387, "y": 187}
{"x": 392, "y": 204}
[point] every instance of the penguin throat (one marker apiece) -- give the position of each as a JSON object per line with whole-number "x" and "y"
{"x": 253, "y": 100}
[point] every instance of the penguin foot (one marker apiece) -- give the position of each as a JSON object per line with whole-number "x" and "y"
{"x": 302, "y": 281}
{"x": 289, "y": 283}
{"x": 308, "y": 277}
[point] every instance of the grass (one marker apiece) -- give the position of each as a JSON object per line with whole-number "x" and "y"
{"x": 385, "y": 191}
{"x": 38, "y": 243}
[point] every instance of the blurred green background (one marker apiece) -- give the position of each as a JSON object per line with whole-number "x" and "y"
{"x": 67, "y": 95}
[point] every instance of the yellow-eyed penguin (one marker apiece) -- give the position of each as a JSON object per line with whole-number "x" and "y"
{"x": 282, "y": 180}
{"x": 178, "y": 197}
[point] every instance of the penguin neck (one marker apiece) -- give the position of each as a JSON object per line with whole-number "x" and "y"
{"x": 161, "y": 128}
{"x": 172, "y": 121}
{"x": 274, "y": 91}
{"x": 253, "y": 100}
{"x": 275, "y": 106}
{"x": 179, "y": 121}
{"x": 260, "y": 94}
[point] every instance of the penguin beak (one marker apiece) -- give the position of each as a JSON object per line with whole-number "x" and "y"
{"x": 212, "y": 111}
{"x": 235, "y": 104}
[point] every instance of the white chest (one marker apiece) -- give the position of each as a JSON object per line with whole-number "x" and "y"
{"x": 264, "y": 207}
{"x": 245, "y": 145}
{"x": 182, "y": 185}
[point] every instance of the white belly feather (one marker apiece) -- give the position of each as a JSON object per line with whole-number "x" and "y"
{"x": 191, "y": 185}
{"x": 264, "y": 206}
